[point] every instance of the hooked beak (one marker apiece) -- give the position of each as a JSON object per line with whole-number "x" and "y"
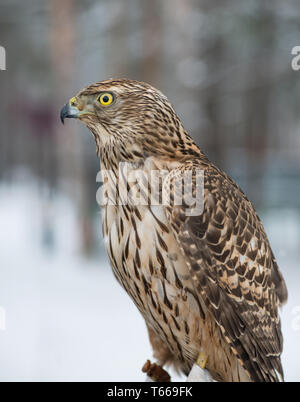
{"x": 68, "y": 111}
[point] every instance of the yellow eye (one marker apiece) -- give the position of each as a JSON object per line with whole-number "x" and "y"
{"x": 106, "y": 99}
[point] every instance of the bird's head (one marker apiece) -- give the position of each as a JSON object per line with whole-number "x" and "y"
{"x": 132, "y": 117}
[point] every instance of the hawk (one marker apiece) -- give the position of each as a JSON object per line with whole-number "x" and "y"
{"x": 207, "y": 284}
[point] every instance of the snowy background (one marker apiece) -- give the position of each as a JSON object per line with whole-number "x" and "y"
{"x": 66, "y": 316}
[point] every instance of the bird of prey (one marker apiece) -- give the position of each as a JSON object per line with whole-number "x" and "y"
{"x": 206, "y": 283}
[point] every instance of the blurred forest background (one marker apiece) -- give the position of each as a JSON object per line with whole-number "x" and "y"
{"x": 226, "y": 67}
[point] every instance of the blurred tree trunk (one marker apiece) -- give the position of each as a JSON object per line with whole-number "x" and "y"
{"x": 151, "y": 64}
{"x": 258, "y": 100}
{"x": 68, "y": 143}
{"x": 213, "y": 104}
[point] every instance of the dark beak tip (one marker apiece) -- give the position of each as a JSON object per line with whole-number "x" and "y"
{"x": 64, "y": 113}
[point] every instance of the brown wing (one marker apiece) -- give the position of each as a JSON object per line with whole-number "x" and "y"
{"x": 233, "y": 269}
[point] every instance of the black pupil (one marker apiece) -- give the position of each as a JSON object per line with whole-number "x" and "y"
{"x": 105, "y": 99}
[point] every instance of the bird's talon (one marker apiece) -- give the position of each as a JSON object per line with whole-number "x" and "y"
{"x": 155, "y": 372}
{"x": 201, "y": 360}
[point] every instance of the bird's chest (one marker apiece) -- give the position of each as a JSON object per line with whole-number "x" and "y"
{"x": 144, "y": 255}
{"x": 149, "y": 264}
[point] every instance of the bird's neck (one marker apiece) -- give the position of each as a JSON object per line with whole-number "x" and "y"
{"x": 116, "y": 151}
{"x": 172, "y": 144}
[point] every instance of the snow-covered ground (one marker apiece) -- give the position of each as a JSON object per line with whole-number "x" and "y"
{"x": 66, "y": 318}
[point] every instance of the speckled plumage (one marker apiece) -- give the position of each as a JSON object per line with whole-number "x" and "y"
{"x": 207, "y": 283}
